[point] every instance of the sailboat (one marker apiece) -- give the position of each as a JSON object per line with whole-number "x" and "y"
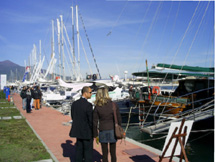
{"x": 193, "y": 98}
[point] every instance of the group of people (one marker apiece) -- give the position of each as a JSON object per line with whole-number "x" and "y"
{"x": 98, "y": 123}
{"x": 27, "y": 94}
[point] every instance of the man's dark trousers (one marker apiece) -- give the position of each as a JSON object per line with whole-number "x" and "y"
{"x": 84, "y": 150}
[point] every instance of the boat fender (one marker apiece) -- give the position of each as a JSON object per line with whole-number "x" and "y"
{"x": 156, "y": 90}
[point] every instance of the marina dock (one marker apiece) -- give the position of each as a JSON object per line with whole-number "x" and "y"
{"x": 52, "y": 128}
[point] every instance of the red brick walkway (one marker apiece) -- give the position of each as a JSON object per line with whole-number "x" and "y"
{"x": 48, "y": 124}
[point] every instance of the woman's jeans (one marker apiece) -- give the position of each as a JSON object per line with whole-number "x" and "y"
{"x": 24, "y": 103}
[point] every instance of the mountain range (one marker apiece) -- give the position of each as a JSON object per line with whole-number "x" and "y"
{"x": 16, "y": 72}
{"x": 13, "y": 71}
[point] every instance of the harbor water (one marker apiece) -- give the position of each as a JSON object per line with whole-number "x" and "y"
{"x": 199, "y": 147}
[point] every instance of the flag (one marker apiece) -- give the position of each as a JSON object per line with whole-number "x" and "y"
{"x": 27, "y": 69}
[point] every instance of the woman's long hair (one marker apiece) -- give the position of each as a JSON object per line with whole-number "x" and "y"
{"x": 102, "y": 97}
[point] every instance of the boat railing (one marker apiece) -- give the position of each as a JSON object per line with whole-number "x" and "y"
{"x": 164, "y": 125}
{"x": 188, "y": 103}
{"x": 143, "y": 95}
{"x": 164, "y": 111}
{"x": 193, "y": 92}
{"x": 206, "y": 109}
{"x": 188, "y": 94}
{"x": 186, "y": 99}
{"x": 189, "y": 110}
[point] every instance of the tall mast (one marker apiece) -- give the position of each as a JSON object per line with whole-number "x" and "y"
{"x": 52, "y": 44}
{"x": 25, "y": 67}
{"x": 78, "y": 36}
{"x": 73, "y": 39}
{"x": 147, "y": 72}
{"x": 35, "y": 54}
{"x": 40, "y": 49}
{"x": 25, "y": 64}
{"x": 62, "y": 47}
{"x": 59, "y": 51}
{"x": 29, "y": 64}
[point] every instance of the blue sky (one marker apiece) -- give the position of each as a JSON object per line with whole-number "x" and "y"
{"x": 161, "y": 32}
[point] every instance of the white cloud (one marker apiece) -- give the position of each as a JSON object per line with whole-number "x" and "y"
{"x": 15, "y": 17}
{"x": 104, "y": 23}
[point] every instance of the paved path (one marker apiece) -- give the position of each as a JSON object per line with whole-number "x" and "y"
{"x": 49, "y": 126}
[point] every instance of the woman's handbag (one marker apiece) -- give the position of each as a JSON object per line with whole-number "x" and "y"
{"x": 119, "y": 132}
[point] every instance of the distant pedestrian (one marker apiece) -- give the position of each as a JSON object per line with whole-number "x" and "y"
{"x": 23, "y": 96}
{"x": 103, "y": 120}
{"x": 82, "y": 117}
{"x": 32, "y": 100}
{"x": 37, "y": 96}
{"x": 28, "y": 97}
{"x": 12, "y": 89}
{"x": 41, "y": 94}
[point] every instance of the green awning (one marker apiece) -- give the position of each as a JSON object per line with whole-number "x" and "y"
{"x": 187, "y": 68}
{"x": 170, "y": 75}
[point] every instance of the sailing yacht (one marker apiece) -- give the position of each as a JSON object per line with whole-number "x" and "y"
{"x": 193, "y": 99}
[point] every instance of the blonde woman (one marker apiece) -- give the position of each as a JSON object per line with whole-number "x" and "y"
{"x": 103, "y": 123}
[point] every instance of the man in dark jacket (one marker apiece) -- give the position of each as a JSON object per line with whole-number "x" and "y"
{"x": 37, "y": 96}
{"x": 29, "y": 92}
{"x": 23, "y": 96}
{"x": 82, "y": 116}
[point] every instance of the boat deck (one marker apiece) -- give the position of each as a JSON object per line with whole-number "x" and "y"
{"x": 52, "y": 128}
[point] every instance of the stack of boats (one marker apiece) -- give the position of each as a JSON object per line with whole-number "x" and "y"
{"x": 188, "y": 93}
{"x": 63, "y": 94}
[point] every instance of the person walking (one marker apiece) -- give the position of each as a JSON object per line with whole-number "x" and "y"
{"x": 82, "y": 117}
{"x": 103, "y": 122}
{"x": 23, "y": 96}
{"x": 28, "y": 99}
{"x": 32, "y": 100}
{"x": 12, "y": 89}
{"x": 41, "y": 94}
{"x": 37, "y": 96}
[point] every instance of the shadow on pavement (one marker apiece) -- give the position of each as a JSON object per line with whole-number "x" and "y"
{"x": 69, "y": 151}
{"x": 141, "y": 158}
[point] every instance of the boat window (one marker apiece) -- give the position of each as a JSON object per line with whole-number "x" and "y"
{"x": 199, "y": 86}
{"x": 52, "y": 88}
{"x": 211, "y": 83}
{"x": 62, "y": 93}
{"x": 43, "y": 88}
{"x": 145, "y": 89}
{"x": 68, "y": 89}
{"x": 110, "y": 88}
{"x": 72, "y": 94}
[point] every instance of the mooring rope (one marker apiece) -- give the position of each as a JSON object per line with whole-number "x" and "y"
{"x": 129, "y": 117}
{"x": 195, "y": 131}
{"x": 200, "y": 137}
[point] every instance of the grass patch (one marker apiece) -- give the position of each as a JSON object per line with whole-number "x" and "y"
{"x": 9, "y": 112}
{"x": 3, "y": 100}
{"x": 2, "y": 95}
{"x": 2, "y": 105}
{"x": 17, "y": 140}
